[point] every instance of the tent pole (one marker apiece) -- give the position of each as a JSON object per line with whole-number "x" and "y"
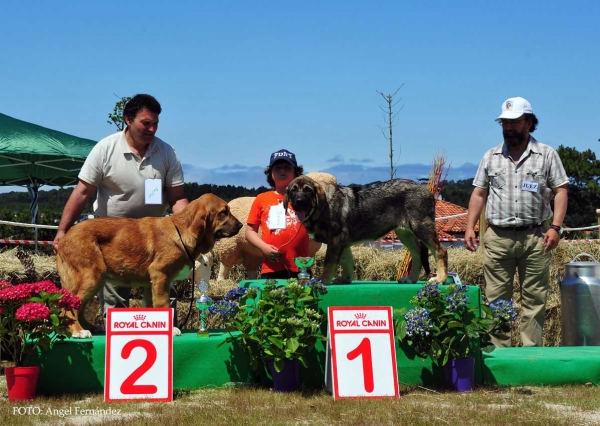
{"x": 33, "y": 193}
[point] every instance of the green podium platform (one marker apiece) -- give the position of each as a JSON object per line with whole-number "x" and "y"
{"x": 77, "y": 365}
{"x": 542, "y": 366}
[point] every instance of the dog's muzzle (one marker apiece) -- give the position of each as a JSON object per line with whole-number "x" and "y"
{"x": 302, "y": 206}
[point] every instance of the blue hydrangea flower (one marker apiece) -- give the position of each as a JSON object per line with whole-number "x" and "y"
{"x": 504, "y": 310}
{"x": 235, "y": 293}
{"x": 457, "y": 298}
{"x": 429, "y": 293}
{"x": 225, "y": 308}
{"x": 418, "y": 323}
{"x": 317, "y": 286}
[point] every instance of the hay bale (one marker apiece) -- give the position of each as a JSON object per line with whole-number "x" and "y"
{"x": 371, "y": 264}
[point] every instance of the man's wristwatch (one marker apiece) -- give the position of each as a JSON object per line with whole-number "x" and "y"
{"x": 557, "y": 229}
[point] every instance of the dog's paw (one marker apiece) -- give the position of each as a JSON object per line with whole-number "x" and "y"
{"x": 405, "y": 280}
{"x": 83, "y": 334}
{"x": 176, "y": 331}
{"x": 342, "y": 280}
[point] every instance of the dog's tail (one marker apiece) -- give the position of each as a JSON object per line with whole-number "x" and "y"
{"x": 424, "y": 257}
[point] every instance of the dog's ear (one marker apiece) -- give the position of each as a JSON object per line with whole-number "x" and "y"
{"x": 285, "y": 200}
{"x": 320, "y": 196}
{"x": 286, "y": 197}
{"x": 202, "y": 222}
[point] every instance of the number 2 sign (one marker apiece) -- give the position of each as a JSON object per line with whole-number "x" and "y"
{"x": 363, "y": 352}
{"x": 139, "y": 354}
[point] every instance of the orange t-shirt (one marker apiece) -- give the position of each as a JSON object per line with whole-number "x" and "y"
{"x": 291, "y": 241}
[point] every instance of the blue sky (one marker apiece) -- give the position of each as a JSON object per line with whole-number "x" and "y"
{"x": 239, "y": 79}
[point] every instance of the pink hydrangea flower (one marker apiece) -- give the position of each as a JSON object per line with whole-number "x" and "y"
{"x": 68, "y": 301}
{"x": 46, "y": 285}
{"x": 16, "y": 293}
{"x": 32, "y": 312}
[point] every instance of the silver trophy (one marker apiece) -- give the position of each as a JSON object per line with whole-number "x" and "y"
{"x": 203, "y": 303}
{"x": 304, "y": 263}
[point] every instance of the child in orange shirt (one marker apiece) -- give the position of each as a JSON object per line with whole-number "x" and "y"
{"x": 283, "y": 235}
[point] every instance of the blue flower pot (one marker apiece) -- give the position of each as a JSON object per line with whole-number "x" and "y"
{"x": 460, "y": 374}
{"x": 288, "y": 379}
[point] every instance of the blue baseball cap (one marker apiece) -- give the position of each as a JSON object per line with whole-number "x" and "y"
{"x": 283, "y": 155}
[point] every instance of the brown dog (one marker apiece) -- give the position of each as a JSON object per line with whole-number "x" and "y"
{"x": 148, "y": 252}
{"x": 341, "y": 216}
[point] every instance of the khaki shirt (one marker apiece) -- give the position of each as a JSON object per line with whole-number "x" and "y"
{"x": 508, "y": 202}
{"x": 120, "y": 176}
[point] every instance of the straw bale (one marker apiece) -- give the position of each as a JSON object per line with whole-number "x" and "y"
{"x": 371, "y": 264}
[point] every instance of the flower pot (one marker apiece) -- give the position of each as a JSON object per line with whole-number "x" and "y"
{"x": 460, "y": 374}
{"x": 21, "y": 382}
{"x": 288, "y": 379}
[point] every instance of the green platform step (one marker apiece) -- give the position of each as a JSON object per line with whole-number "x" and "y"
{"x": 198, "y": 363}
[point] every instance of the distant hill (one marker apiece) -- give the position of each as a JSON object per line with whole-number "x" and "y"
{"x": 55, "y": 199}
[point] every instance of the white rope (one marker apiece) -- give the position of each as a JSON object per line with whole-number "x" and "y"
{"x": 27, "y": 225}
{"x": 580, "y": 229}
{"x": 453, "y": 216}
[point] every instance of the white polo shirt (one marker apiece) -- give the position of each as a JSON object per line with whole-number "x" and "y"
{"x": 120, "y": 176}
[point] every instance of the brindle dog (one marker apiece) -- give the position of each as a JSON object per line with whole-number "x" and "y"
{"x": 341, "y": 216}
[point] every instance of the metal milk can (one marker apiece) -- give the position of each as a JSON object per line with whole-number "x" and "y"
{"x": 580, "y": 302}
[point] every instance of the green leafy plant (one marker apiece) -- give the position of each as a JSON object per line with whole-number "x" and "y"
{"x": 275, "y": 323}
{"x": 33, "y": 316}
{"x": 442, "y": 326}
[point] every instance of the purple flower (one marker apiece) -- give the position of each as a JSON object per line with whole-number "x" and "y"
{"x": 457, "y": 298}
{"x": 418, "y": 323}
{"x": 504, "y": 310}
{"x": 430, "y": 292}
{"x": 224, "y": 308}
{"x": 235, "y": 293}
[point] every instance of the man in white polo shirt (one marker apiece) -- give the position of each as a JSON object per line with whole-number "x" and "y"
{"x": 133, "y": 173}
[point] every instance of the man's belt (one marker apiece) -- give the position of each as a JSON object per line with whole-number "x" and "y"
{"x": 516, "y": 228}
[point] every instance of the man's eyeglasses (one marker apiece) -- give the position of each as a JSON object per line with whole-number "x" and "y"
{"x": 283, "y": 168}
{"x": 506, "y": 122}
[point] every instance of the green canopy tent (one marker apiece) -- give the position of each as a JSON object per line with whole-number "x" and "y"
{"x": 33, "y": 156}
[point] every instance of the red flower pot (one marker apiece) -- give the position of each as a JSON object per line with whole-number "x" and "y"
{"x": 21, "y": 382}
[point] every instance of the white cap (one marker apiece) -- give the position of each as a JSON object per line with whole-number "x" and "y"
{"x": 514, "y": 108}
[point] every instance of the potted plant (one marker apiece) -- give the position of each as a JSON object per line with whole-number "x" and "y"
{"x": 32, "y": 316}
{"x": 277, "y": 326}
{"x": 442, "y": 327}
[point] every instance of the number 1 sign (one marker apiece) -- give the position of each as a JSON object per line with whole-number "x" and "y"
{"x": 363, "y": 352}
{"x": 139, "y": 354}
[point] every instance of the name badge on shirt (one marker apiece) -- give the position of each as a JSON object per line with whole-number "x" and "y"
{"x": 276, "y": 218}
{"x": 529, "y": 186}
{"x": 153, "y": 191}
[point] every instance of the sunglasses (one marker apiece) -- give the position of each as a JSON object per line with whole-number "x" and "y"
{"x": 506, "y": 122}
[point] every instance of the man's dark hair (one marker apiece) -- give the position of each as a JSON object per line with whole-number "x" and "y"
{"x": 298, "y": 170}
{"x": 533, "y": 120}
{"x": 138, "y": 103}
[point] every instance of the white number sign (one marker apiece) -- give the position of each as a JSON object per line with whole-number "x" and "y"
{"x": 139, "y": 354}
{"x": 362, "y": 352}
